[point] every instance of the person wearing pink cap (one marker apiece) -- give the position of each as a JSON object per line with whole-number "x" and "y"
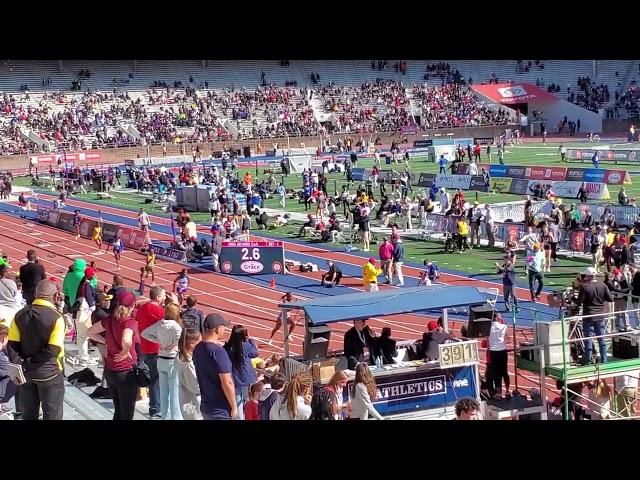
{"x": 370, "y": 275}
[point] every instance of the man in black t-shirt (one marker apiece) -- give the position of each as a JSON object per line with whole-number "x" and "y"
{"x": 593, "y": 296}
{"x": 30, "y": 274}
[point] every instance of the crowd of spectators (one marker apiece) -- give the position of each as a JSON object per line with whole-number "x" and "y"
{"x": 628, "y": 100}
{"x": 162, "y": 114}
{"x": 590, "y": 96}
{"x": 382, "y": 105}
{"x": 455, "y": 106}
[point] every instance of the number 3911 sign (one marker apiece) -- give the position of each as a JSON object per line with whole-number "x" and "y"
{"x": 252, "y": 258}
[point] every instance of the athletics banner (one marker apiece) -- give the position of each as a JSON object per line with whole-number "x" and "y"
{"x": 454, "y": 181}
{"x": 169, "y": 253}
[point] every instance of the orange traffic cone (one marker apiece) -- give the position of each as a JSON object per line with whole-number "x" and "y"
{"x": 273, "y": 283}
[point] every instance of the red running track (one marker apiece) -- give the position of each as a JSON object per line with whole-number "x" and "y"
{"x": 350, "y": 259}
{"x": 240, "y": 302}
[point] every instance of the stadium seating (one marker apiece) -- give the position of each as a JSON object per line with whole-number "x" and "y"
{"x": 217, "y": 98}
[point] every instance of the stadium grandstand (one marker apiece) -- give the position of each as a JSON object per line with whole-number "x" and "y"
{"x": 70, "y": 105}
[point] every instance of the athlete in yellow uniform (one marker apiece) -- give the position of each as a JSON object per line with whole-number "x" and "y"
{"x": 97, "y": 236}
{"x": 151, "y": 260}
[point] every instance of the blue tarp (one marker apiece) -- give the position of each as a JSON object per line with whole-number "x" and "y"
{"x": 354, "y": 306}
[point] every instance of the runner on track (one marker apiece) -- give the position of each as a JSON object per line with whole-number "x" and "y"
{"x": 76, "y": 223}
{"x": 118, "y": 247}
{"x": 181, "y": 285}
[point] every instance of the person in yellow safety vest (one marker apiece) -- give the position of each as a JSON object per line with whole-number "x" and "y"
{"x": 463, "y": 233}
{"x": 370, "y": 275}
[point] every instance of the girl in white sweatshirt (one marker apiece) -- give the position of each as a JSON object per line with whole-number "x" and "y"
{"x": 167, "y": 333}
{"x": 189, "y": 388}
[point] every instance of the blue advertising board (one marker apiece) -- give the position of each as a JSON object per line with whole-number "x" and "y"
{"x": 252, "y": 258}
{"x": 498, "y": 170}
{"x": 594, "y": 175}
{"x": 423, "y": 389}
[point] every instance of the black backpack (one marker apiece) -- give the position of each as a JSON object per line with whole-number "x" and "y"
{"x": 192, "y": 319}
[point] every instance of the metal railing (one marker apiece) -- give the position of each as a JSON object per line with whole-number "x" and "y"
{"x": 570, "y": 336}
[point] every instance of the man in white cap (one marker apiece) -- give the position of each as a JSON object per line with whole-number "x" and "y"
{"x": 592, "y": 297}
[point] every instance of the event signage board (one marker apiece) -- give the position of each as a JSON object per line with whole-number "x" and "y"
{"x": 43, "y": 213}
{"x": 500, "y": 185}
{"x": 594, "y": 175}
{"x": 422, "y": 389}
{"x": 510, "y": 232}
{"x": 252, "y": 258}
{"x": 358, "y": 174}
{"x": 422, "y": 143}
{"x": 516, "y": 172}
{"x": 624, "y": 155}
{"x": 477, "y": 183}
{"x": 575, "y": 174}
{"x": 496, "y": 170}
{"x": 454, "y": 181}
{"x": 86, "y": 227}
{"x": 169, "y": 253}
{"x": 598, "y": 191}
{"x": 426, "y": 179}
{"x": 109, "y": 232}
{"x": 88, "y": 156}
{"x": 65, "y": 221}
{"x": 54, "y": 217}
{"x": 555, "y": 173}
{"x": 483, "y": 140}
{"x": 616, "y": 177}
{"x": 519, "y": 186}
{"x": 625, "y": 215}
{"x": 458, "y": 353}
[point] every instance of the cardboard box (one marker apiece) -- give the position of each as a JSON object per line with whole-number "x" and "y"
{"x": 324, "y": 370}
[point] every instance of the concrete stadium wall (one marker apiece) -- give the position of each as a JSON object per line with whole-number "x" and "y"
{"x": 20, "y": 163}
